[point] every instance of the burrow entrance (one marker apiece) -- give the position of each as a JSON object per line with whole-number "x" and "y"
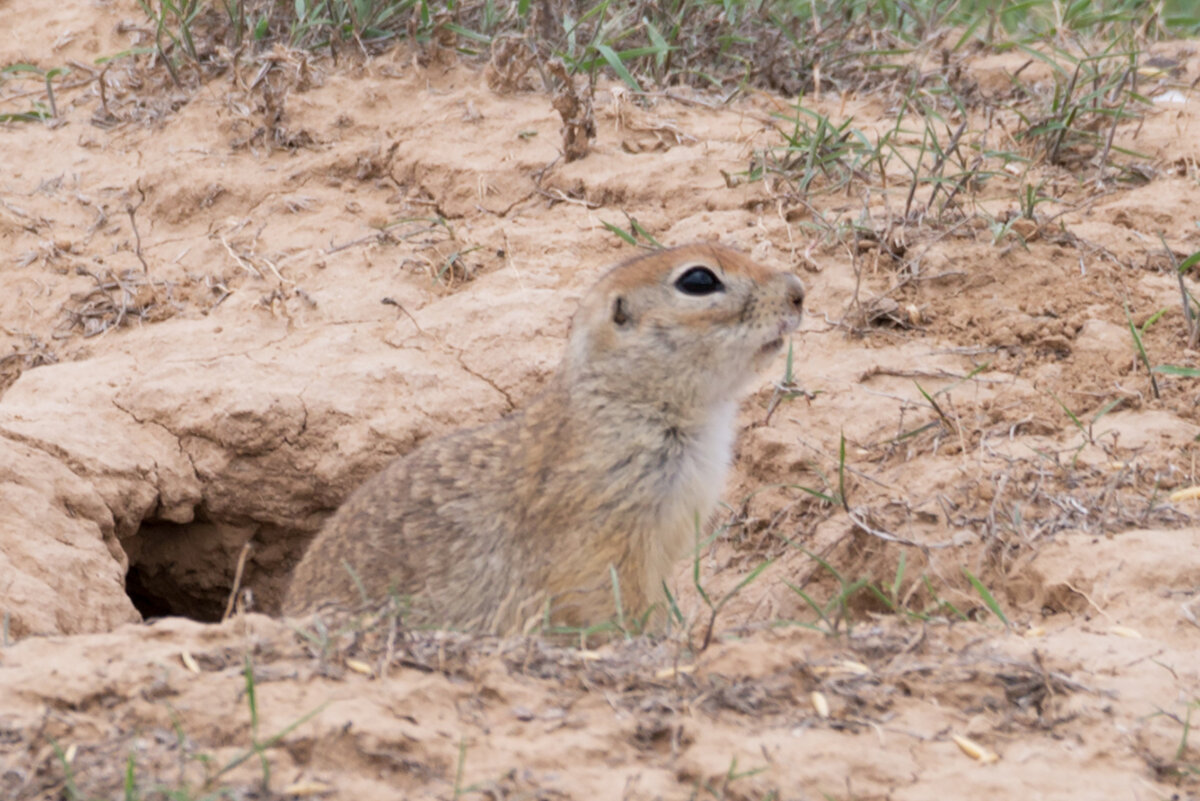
{"x": 190, "y": 569}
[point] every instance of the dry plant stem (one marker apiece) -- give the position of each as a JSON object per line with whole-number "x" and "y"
{"x": 579, "y": 124}
{"x": 379, "y": 237}
{"x": 1052, "y": 157}
{"x": 407, "y": 313}
{"x": 1112, "y": 131}
{"x": 962, "y": 182}
{"x": 103, "y": 94}
{"x": 951, "y": 147}
{"x": 1189, "y": 614}
{"x": 855, "y": 303}
{"x": 237, "y": 581}
{"x": 131, "y": 210}
{"x": 864, "y": 527}
{"x": 708, "y": 632}
{"x": 100, "y": 310}
{"x": 1189, "y": 314}
{"x": 390, "y": 647}
{"x": 41, "y": 90}
{"x": 557, "y": 196}
{"x": 249, "y": 268}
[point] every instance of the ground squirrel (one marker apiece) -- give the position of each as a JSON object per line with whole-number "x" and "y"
{"x": 608, "y": 469}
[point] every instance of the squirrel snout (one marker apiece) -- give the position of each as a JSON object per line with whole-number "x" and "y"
{"x": 795, "y": 292}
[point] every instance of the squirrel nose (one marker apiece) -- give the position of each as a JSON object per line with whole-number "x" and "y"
{"x": 795, "y": 292}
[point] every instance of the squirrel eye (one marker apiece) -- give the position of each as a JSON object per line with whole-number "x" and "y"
{"x": 699, "y": 281}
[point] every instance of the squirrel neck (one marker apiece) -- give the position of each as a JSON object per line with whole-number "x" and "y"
{"x": 614, "y": 410}
{"x": 648, "y": 442}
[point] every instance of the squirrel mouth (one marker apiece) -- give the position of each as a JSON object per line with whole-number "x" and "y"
{"x": 786, "y": 327}
{"x": 772, "y": 347}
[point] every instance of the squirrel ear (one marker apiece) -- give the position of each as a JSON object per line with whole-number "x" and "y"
{"x": 620, "y": 314}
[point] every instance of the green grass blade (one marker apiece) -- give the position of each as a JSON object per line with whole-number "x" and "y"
{"x": 1141, "y": 350}
{"x": 987, "y": 597}
{"x": 660, "y": 43}
{"x": 1106, "y": 408}
{"x": 614, "y": 61}
{"x": 842, "y": 472}
{"x": 620, "y": 606}
{"x": 15, "y": 68}
{"x": 467, "y": 33}
{"x": 1190, "y": 262}
{"x": 1172, "y": 369}
{"x": 643, "y": 233}
{"x": 621, "y": 232}
{"x": 899, "y": 580}
{"x": 751, "y": 576}
{"x": 812, "y": 604}
{"x": 1071, "y": 414}
{"x": 886, "y": 601}
{"x": 130, "y": 784}
{"x": 671, "y": 605}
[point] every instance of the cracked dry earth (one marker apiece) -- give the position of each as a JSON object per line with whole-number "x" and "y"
{"x": 207, "y": 341}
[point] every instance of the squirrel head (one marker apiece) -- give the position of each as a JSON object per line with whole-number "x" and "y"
{"x": 692, "y": 324}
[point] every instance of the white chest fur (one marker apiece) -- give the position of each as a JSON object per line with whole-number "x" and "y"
{"x": 696, "y": 477}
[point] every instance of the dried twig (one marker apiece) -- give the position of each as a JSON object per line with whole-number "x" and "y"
{"x": 237, "y": 580}
{"x": 131, "y": 210}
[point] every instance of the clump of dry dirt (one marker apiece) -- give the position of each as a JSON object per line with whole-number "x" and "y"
{"x": 227, "y": 302}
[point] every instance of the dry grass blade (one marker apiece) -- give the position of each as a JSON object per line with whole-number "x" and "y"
{"x": 118, "y": 300}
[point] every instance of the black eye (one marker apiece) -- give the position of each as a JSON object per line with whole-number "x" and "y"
{"x": 699, "y": 281}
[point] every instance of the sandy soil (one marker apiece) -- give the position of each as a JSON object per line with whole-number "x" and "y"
{"x": 222, "y": 308}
